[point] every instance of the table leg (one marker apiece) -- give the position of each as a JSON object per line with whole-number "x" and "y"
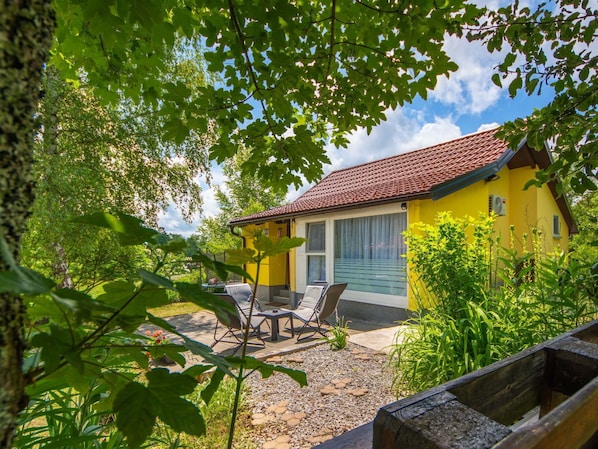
{"x": 292, "y": 327}
{"x": 274, "y": 325}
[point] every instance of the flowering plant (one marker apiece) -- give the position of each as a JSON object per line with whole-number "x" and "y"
{"x": 158, "y": 337}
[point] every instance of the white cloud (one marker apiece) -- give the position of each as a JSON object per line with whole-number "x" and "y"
{"x": 210, "y": 203}
{"x": 172, "y": 222}
{"x": 486, "y": 126}
{"x": 403, "y": 131}
{"x": 470, "y": 89}
{"x": 441, "y": 130}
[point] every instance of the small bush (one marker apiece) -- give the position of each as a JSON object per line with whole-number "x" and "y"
{"x": 217, "y": 417}
{"x": 339, "y": 335}
{"x": 440, "y": 347}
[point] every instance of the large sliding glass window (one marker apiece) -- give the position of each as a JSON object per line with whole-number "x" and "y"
{"x": 316, "y": 252}
{"x": 369, "y": 253}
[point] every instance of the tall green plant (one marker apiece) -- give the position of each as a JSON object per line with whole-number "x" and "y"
{"x": 263, "y": 247}
{"x": 548, "y": 293}
{"x": 217, "y": 415}
{"x": 87, "y": 349}
{"x": 439, "y": 347}
{"x": 451, "y": 261}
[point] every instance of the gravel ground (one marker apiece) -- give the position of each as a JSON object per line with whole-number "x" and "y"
{"x": 345, "y": 389}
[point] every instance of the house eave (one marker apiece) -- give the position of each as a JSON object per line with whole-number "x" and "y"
{"x": 460, "y": 182}
{"x": 325, "y": 210}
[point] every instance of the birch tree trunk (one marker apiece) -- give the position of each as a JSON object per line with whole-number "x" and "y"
{"x": 26, "y": 30}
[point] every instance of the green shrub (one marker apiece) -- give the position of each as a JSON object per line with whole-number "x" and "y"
{"x": 451, "y": 261}
{"x": 440, "y": 347}
{"x": 482, "y": 314}
{"x": 86, "y": 363}
{"x": 217, "y": 416}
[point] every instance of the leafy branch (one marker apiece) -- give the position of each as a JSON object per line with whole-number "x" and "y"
{"x": 110, "y": 356}
{"x": 245, "y": 49}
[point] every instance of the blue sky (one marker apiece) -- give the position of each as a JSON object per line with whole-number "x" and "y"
{"x": 466, "y": 102}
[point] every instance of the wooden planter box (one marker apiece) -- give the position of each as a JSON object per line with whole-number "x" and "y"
{"x": 543, "y": 397}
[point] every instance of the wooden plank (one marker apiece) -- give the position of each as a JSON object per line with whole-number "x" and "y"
{"x": 358, "y": 438}
{"x": 450, "y": 425}
{"x": 570, "y": 425}
{"x": 575, "y": 364}
{"x": 392, "y": 418}
{"x": 588, "y": 333}
{"x": 499, "y": 395}
{"x": 507, "y": 392}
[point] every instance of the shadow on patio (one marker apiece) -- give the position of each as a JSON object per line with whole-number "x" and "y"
{"x": 200, "y": 327}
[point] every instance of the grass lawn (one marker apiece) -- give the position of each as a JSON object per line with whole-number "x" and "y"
{"x": 175, "y": 308}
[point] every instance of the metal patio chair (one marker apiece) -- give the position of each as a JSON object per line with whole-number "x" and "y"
{"x": 317, "y": 305}
{"x": 235, "y": 324}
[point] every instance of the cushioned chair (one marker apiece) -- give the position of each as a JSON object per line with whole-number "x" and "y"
{"x": 317, "y": 305}
{"x": 241, "y": 292}
{"x": 236, "y": 323}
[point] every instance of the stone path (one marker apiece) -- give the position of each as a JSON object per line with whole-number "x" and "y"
{"x": 300, "y": 418}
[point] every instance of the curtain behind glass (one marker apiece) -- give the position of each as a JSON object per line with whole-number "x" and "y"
{"x": 316, "y": 243}
{"x": 368, "y": 253}
{"x": 316, "y": 237}
{"x": 316, "y": 268}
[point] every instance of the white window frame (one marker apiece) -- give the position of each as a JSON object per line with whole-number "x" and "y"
{"x": 321, "y": 253}
{"x": 329, "y": 218}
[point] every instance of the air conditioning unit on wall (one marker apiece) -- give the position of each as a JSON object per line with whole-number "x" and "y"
{"x": 497, "y": 204}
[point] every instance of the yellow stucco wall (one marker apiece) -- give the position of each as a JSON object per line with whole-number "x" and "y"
{"x": 526, "y": 209}
{"x": 534, "y": 208}
{"x": 273, "y": 269}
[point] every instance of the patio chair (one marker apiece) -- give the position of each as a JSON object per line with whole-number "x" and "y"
{"x": 241, "y": 292}
{"x": 314, "y": 317}
{"x": 236, "y": 323}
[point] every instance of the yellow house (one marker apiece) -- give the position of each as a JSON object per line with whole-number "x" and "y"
{"x": 353, "y": 219}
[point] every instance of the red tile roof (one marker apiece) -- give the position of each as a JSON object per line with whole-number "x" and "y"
{"x": 416, "y": 174}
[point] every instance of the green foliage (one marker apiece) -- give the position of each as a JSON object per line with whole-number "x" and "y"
{"x": 545, "y": 295}
{"x": 87, "y": 362}
{"x": 91, "y": 157}
{"x": 549, "y": 46}
{"x": 339, "y": 335}
{"x": 241, "y": 195}
{"x": 533, "y": 298}
{"x": 67, "y": 419}
{"x": 217, "y": 417}
{"x": 584, "y": 246}
{"x": 263, "y": 247}
{"x": 451, "y": 261}
{"x": 440, "y": 347}
{"x": 293, "y": 76}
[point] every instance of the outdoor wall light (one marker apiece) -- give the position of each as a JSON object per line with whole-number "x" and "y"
{"x": 493, "y": 177}
{"x": 403, "y": 206}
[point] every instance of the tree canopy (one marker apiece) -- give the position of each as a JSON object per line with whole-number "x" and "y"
{"x": 292, "y": 75}
{"x": 90, "y": 158}
{"x": 551, "y": 45}
{"x": 240, "y": 195}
